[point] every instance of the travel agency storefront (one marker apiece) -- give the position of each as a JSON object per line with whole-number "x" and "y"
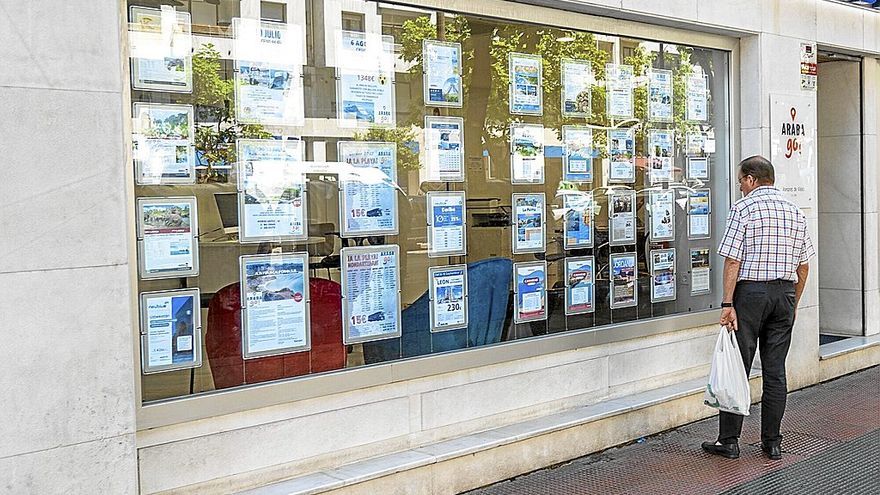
{"x": 381, "y": 247}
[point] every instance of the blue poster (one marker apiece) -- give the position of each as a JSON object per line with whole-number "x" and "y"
{"x": 531, "y": 291}
{"x": 371, "y": 293}
{"x": 526, "y": 93}
{"x": 442, "y": 64}
{"x": 170, "y": 330}
{"x": 446, "y": 230}
{"x": 369, "y": 190}
{"x": 578, "y": 155}
{"x": 448, "y": 297}
{"x": 578, "y": 209}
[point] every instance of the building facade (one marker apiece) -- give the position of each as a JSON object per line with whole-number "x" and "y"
{"x": 291, "y": 236}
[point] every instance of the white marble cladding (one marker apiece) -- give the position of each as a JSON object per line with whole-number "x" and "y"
{"x": 407, "y": 414}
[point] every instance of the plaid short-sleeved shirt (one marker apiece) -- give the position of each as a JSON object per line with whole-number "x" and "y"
{"x": 767, "y": 234}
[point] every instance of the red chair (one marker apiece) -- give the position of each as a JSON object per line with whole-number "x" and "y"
{"x": 223, "y": 339}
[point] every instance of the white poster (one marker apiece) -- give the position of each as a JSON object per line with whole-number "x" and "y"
{"x": 365, "y": 98}
{"x": 620, "y": 80}
{"x": 168, "y": 237}
{"x": 370, "y": 293}
{"x": 368, "y": 197}
{"x": 580, "y": 280}
{"x": 700, "y": 273}
{"x": 578, "y": 153}
{"x": 171, "y": 330}
{"x": 449, "y": 297}
{"x": 268, "y": 78}
{"x": 530, "y": 291}
{"x": 661, "y": 214}
{"x": 696, "y": 144}
{"x": 442, "y": 78}
{"x": 699, "y": 208}
{"x": 527, "y": 154}
{"x": 356, "y": 50}
{"x": 661, "y": 167}
{"x": 622, "y": 217}
{"x": 275, "y": 304}
{"x": 577, "y": 83}
{"x": 792, "y": 146}
{"x": 444, "y": 148}
{"x": 163, "y": 137}
{"x": 698, "y": 167}
{"x": 446, "y": 224}
{"x": 697, "y": 97}
{"x": 809, "y": 66}
{"x": 526, "y": 91}
{"x": 272, "y": 190}
{"x": 528, "y": 223}
{"x": 160, "y": 42}
{"x": 662, "y": 275}
{"x": 621, "y": 152}
{"x": 660, "y": 95}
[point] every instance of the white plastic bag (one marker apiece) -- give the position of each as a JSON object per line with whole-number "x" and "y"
{"x": 728, "y": 387}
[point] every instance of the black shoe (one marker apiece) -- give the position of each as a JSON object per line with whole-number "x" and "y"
{"x": 774, "y": 452}
{"x": 728, "y": 450}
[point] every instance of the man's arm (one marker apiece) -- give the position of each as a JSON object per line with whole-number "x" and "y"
{"x": 731, "y": 273}
{"x": 803, "y": 271}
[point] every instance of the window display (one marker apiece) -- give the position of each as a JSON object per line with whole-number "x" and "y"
{"x": 337, "y": 195}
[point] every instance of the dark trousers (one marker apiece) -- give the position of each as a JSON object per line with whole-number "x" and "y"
{"x": 765, "y": 314}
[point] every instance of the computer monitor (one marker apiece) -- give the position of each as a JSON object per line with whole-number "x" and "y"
{"x": 227, "y": 205}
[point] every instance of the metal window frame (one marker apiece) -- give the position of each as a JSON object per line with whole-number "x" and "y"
{"x": 249, "y": 397}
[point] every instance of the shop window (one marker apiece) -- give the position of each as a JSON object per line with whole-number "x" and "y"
{"x": 454, "y": 182}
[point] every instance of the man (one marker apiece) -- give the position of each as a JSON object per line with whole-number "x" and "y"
{"x": 766, "y": 249}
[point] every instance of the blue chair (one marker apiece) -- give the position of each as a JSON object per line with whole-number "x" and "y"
{"x": 488, "y": 295}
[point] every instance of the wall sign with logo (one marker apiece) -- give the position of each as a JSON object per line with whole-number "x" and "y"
{"x": 792, "y": 146}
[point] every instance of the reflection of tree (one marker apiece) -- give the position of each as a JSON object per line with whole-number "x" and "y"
{"x": 403, "y": 137}
{"x": 213, "y": 97}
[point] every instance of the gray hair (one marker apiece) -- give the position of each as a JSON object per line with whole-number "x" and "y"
{"x": 758, "y": 167}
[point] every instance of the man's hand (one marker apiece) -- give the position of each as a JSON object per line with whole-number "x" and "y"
{"x": 728, "y": 319}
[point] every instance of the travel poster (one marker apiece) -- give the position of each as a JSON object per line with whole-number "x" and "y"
{"x": 449, "y": 297}
{"x": 370, "y": 293}
{"x": 442, "y": 79}
{"x": 662, "y": 275}
{"x": 578, "y": 226}
{"x": 163, "y": 144}
{"x": 660, "y": 155}
{"x": 580, "y": 280}
{"x": 275, "y": 304}
{"x": 578, "y": 153}
{"x": 527, "y": 154}
{"x": 160, "y": 43}
{"x": 168, "y": 242}
{"x": 444, "y": 148}
{"x": 577, "y": 83}
{"x": 660, "y": 95}
{"x": 530, "y": 291}
{"x": 446, "y": 224}
{"x": 699, "y": 202}
{"x": 622, "y": 217}
{"x": 661, "y": 211}
{"x": 624, "y": 280}
{"x": 170, "y": 330}
{"x": 369, "y": 190}
{"x": 365, "y": 97}
{"x": 621, "y": 152}
{"x": 697, "y": 96}
{"x": 272, "y": 190}
{"x": 619, "y": 83}
{"x": 700, "y": 270}
{"x": 528, "y": 227}
{"x": 526, "y": 92}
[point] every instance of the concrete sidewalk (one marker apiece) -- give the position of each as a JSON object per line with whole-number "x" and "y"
{"x": 831, "y": 444}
